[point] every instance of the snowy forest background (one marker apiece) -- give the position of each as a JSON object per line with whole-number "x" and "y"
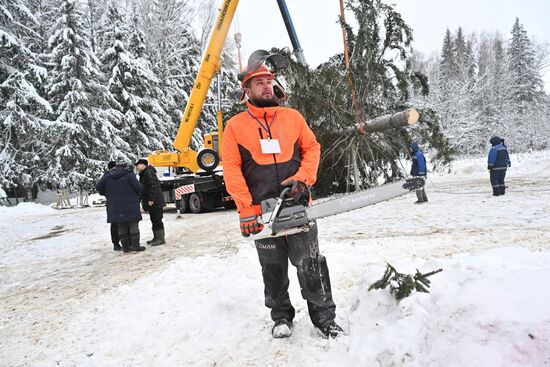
{"x": 86, "y": 81}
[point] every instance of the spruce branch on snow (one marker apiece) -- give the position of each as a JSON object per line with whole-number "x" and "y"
{"x": 402, "y": 285}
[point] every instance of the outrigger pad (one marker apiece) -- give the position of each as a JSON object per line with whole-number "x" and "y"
{"x": 414, "y": 183}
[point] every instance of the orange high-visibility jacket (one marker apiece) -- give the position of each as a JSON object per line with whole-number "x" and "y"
{"x": 252, "y": 176}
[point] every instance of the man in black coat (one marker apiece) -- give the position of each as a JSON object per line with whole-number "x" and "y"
{"x": 152, "y": 199}
{"x": 121, "y": 188}
{"x": 114, "y": 227}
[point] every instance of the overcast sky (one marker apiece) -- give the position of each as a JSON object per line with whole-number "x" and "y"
{"x": 320, "y": 36}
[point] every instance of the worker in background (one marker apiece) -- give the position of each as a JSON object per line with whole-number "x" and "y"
{"x": 418, "y": 169}
{"x": 152, "y": 200}
{"x": 497, "y": 164}
{"x": 121, "y": 188}
{"x": 265, "y": 149}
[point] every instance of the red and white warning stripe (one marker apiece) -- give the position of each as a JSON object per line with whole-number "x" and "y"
{"x": 185, "y": 189}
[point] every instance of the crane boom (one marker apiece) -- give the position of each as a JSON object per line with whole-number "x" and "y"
{"x": 292, "y": 33}
{"x": 210, "y": 65}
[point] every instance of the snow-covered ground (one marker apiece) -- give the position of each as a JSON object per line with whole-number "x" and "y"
{"x": 67, "y": 299}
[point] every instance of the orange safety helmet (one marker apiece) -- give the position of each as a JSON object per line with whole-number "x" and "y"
{"x": 262, "y": 70}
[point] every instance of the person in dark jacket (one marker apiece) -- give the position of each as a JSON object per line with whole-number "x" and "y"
{"x": 114, "y": 228}
{"x": 152, "y": 200}
{"x": 121, "y": 188}
{"x": 418, "y": 169}
{"x": 497, "y": 164}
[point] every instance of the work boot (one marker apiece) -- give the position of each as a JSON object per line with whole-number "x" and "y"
{"x": 282, "y": 329}
{"x": 125, "y": 242}
{"x": 330, "y": 330}
{"x": 138, "y": 248}
{"x": 153, "y": 239}
{"x": 134, "y": 243}
{"x": 117, "y": 247}
{"x": 159, "y": 238}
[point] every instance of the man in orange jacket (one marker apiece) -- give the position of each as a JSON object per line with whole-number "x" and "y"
{"x": 266, "y": 148}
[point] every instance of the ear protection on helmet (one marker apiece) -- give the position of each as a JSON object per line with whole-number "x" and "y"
{"x": 261, "y": 62}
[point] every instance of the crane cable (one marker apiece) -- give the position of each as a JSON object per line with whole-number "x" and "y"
{"x": 237, "y": 36}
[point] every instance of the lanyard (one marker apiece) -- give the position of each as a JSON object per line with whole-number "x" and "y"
{"x": 268, "y": 128}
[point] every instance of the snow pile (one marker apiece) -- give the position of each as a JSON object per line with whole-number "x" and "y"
{"x": 23, "y": 209}
{"x": 485, "y": 310}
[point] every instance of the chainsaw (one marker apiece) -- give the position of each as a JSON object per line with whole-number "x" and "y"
{"x": 283, "y": 216}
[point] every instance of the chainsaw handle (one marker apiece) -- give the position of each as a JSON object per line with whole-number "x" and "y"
{"x": 277, "y": 208}
{"x": 282, "y": 196}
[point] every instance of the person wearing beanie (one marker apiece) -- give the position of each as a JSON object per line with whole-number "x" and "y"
{"x": 121, "y": 188}
{"x": 152, "y": 200}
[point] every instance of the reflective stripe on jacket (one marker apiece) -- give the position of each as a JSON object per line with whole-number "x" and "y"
{"x": 252, "y": 176}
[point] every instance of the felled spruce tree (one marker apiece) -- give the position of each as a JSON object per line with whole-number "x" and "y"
{"x": 383, "y": 78}
{"x": 402, "y": 285}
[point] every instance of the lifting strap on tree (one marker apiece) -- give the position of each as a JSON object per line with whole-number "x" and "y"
{"x": 356, "y": 108}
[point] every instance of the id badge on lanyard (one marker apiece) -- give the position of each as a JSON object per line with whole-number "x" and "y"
{"x": 270, "y": 146}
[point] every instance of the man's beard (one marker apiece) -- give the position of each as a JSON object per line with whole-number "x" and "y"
{"x": 264, "y": 102}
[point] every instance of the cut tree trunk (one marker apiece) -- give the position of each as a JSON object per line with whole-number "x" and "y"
{"x": 399, "y": 119}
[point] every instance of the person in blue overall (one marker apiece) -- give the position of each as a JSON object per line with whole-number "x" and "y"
{"x": 497, "y": 164}
{"x": 418, "y": 169}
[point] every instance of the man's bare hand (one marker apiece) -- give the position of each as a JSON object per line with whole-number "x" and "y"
{"x": 150, "y": 202}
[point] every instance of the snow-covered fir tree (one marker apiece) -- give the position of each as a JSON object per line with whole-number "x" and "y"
{"x": 445, "y": 66}
{"x": 43, "y": 11}
{"x": 526, "y": 77}
{"x": 145, "y": 126}
{"x": 175, "y": 55}
{"x": 22, "y": 108}
{"x": 85, "y": 134}
{"x": 456, "y": 92}
{"x": 501, "y": 86}
{"x": 95, "y": 19}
